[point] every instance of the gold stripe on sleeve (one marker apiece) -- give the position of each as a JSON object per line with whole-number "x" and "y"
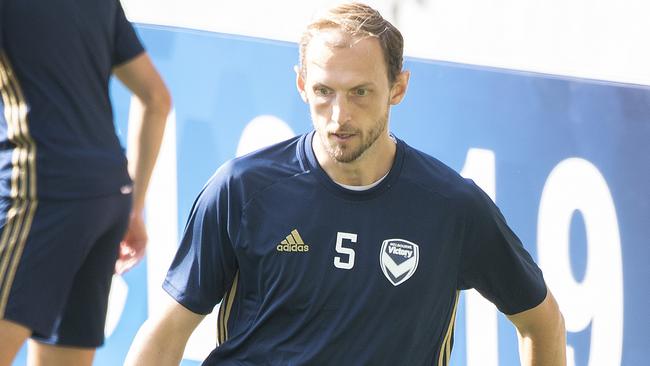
{"x": 23, "y": 180}
{"x": 224, "y": 311}
{"x": 231, "y": 299}
{"x": 445, "y": 348}
{"x": 220, "y": 320}
{"x": 12, "y": 112}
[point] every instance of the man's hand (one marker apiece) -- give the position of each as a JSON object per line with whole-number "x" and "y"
{"x": 145, "y": 137}
{"x": 133, "y": 246}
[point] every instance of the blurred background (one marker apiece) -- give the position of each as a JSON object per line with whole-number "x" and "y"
{"x": 545, "y": 104}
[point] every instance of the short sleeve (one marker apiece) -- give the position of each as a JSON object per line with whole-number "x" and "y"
{"x": 494, "y": 261}
{"x": 205, "y": 264}
{"x": 126, "y": 44}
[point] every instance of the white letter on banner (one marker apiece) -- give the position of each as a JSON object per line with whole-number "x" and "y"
{"x": 116, "y": 301}
{"x": 162, "y": 223}
{"x": 481, "y": 315}
{"x": 162, "y": 215}
{"x": 263, "y": 131}
{"x": 576, "y": 185}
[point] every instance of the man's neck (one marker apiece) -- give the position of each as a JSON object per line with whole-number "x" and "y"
{"x": 370, "y": 167}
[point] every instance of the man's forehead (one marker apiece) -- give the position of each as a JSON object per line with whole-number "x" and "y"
{"x": 332, "y": 37}
{"x": 334, "y": 56}
{"x": 326, "y": 43}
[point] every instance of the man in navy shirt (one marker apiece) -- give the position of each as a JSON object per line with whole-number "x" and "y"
{"x": 345, "y": 246}
{"x": 67, "y": 200}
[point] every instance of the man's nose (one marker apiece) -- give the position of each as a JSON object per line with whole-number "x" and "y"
{"x": 341, "y": 110}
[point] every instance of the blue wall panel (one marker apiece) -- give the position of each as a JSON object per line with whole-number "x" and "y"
{"x": 530, "y": 122}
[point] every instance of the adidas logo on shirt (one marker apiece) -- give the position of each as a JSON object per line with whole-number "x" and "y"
{"x": 293, "y": 243}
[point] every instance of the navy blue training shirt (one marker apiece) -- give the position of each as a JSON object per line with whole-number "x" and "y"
{"x": 312, "y": 273}
{"x": 57, "y": 138}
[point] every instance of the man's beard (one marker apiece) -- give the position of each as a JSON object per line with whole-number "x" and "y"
{"x": 350, "y": 154}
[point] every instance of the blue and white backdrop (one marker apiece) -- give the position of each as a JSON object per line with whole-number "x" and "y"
{"x": 562, "y": 148}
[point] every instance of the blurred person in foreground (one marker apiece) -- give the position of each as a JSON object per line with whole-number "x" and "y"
{"x": 70, "y": 214}
{"x": 345, "y": 246}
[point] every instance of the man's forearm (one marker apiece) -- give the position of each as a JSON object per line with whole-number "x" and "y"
{"x": 542, "y": 335}
{"x": 145, "y": 140}
{"x": 147, "y": 128}
{"x": 162, "y": 338}
{"x": 544, "y": 350}
{"x": 149, "y": 348}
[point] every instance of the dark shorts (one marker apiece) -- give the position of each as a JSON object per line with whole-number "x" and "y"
{"x": 56, "y": 264}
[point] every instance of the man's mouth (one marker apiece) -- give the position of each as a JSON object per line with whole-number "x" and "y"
{"x": 342, "y": 136}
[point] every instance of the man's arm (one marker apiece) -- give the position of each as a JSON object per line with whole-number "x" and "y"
{"x": 161, "y": 340}
{"x": 141, "y": 77}
{"x": 542, "y": 338}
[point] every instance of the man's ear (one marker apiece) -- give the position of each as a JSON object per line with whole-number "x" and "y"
{"x": 300, "y": 83}
{"x": 398, "y": 90}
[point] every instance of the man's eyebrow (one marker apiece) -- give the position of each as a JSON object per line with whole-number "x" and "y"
{"x": 364, "y": 85}
{"x": 368, "y": 84}
{"x": 319, "y": 85}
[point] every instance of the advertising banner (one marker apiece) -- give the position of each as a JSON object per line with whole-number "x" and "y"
{"x": 566, "y": 160}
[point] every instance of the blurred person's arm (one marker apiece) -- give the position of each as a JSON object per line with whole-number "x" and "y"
{"x": 146, "y": 133}
{"x": 541, "y": 332}
{"x": 161, "y": 340}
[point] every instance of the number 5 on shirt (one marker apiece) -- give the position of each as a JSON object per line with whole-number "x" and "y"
{"x": 340, "y": 262}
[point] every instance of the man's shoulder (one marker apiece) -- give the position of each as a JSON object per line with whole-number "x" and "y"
{"x": 277, "y": 159}
{"x": 435, "y": 176}
{"x": 261, "y": 167}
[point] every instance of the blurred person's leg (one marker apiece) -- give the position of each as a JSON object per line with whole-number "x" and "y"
{"x": 12, "y": 337}
{"x": 63, "y": 277}
{"x": 41, "y": 354}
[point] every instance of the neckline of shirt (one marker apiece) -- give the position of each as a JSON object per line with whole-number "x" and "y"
{"x": 351, "y": 192}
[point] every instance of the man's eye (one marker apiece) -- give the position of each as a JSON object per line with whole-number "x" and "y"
{"x": 322, "y": 91}
{"x": 361, "y": 92}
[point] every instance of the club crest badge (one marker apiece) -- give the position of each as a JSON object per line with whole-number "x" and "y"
{"x": 399, "y": 260}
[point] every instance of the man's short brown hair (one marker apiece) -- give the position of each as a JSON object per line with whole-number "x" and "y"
{"x": 359, "y": 21}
